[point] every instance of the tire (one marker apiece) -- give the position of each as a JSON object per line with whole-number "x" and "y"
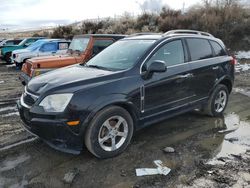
{"x": 7, "y": 57}
{"x": 101, "y": 132}
{"x": 213, "y": 108}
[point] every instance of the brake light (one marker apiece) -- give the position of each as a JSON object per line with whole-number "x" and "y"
{"x": 234, "y": 60}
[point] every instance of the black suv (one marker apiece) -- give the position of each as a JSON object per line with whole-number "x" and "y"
{"x": 135, "y": 82}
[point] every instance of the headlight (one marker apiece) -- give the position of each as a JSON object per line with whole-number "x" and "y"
{"x": 56, "y": 102}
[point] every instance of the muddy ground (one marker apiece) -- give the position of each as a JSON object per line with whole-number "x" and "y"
{"x": 209, "y": 152}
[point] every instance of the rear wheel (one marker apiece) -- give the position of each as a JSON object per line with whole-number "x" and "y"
{"x": 218, "y": 101}
{"x": 110, "y": 132}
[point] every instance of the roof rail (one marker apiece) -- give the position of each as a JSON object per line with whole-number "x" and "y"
{"x": 185, "y": 31}
{"x": 145, "y": 33}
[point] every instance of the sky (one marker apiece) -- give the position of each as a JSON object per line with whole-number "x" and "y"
{"x": 42, "y": 13}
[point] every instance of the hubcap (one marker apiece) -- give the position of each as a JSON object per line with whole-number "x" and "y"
{"x": 113, "y": 133}
{"x": 220, "y": 101}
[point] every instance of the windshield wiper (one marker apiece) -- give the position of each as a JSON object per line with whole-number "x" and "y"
{"x": 97, "y": 67}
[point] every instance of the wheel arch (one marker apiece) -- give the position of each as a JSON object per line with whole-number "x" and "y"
{"x": 127, "y": 105}
{"x": 225, "y": 80}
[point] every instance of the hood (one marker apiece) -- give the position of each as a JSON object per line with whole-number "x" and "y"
{"x": 21, "y": 51}
{"x": 75, "y": 75}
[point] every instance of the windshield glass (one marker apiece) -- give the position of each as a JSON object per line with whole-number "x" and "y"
{"x": 22, "y": 42}
{"x": 35, "y": 45}
{"x": 121, "y": 55}
{"x": 79, "y": 44}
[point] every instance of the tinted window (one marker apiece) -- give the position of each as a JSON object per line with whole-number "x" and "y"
{"x": 100, "y": 45}
{"x": 218, "y": 50}
{"x": 172, "y": 53}
{"x": 49, "y": 47}
{"x": 199, "y": 49}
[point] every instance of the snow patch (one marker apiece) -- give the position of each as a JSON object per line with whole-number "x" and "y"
{"x": 8, "y": 108}
{"x": 243, "y": 55}
{"x": 11, "y": 114}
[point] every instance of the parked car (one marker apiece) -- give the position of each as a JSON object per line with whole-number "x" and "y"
{"x": 43, "y": 47}
{"x": 81, "y": 49}
{"x": 6, "y": 51}
{"x": 7, "y": 42}
{"x": 133, "y": 83}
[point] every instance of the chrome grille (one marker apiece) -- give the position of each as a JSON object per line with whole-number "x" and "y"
{"x": 29, "y": 99}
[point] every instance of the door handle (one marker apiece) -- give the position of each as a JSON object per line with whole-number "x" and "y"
{"x": 215, "y": 68}
{"x": 189, "y": 75}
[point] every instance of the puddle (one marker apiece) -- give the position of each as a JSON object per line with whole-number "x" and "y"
{"x": 242, "y": 91}
{"x": 12, "y": 183}
{"x": 9, "y": 164}
{"x": 236, "y": 142}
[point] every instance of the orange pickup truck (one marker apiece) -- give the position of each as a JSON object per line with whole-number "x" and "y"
{"x": 81, "y": 49}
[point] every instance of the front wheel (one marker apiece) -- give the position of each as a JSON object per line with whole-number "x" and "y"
{"x": 218, "y": 101}
{"x": 110, "y": 132}
{"x": 7, "y": 57}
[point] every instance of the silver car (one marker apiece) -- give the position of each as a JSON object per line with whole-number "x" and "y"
{"x": 43, "y": 47}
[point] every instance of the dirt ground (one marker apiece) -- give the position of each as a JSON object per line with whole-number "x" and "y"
{"x": 209, "y": 152}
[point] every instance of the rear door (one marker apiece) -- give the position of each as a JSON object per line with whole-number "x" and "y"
{"x": 171, "y": 89}
{"x": 204, "y": 66}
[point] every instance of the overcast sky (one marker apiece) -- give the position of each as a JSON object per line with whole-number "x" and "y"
{"x": 39, "y": 13}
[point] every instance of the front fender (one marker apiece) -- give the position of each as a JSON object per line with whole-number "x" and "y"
{"x": 108, "y": 100}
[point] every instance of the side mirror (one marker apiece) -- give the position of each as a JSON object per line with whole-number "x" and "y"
{"x": 157, "y": 66}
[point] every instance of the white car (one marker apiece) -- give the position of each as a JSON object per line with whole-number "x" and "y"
{"x": 43, "y": 47}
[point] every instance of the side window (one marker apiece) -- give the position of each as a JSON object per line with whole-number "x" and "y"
{"x": 49, "y": 47}
{"x": 16, "y": 42}
{"x": 63, "y": 46}
{"x": 199, "y": 49}
{"x": 9, "y": 43}
{"x": 218, "y": 50}
{"x": 172, "y": 53}
{"x": 100, "y": 45}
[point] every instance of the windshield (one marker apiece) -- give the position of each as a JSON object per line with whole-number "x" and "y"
{"x": 79, "y": 44}
{"x": 22, "y": 42}
{"x": 35, "y": 45}
{"x": 121, "y": 55}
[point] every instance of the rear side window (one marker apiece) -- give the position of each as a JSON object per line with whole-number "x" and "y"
{"x": 101, "y": 44}
{"x": 218, "y": 50}
{"x": 172, "y": 53}
{"x": 199, "y": 49}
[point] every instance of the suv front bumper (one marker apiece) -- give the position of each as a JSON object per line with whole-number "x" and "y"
{"x": 56, "y": 133}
